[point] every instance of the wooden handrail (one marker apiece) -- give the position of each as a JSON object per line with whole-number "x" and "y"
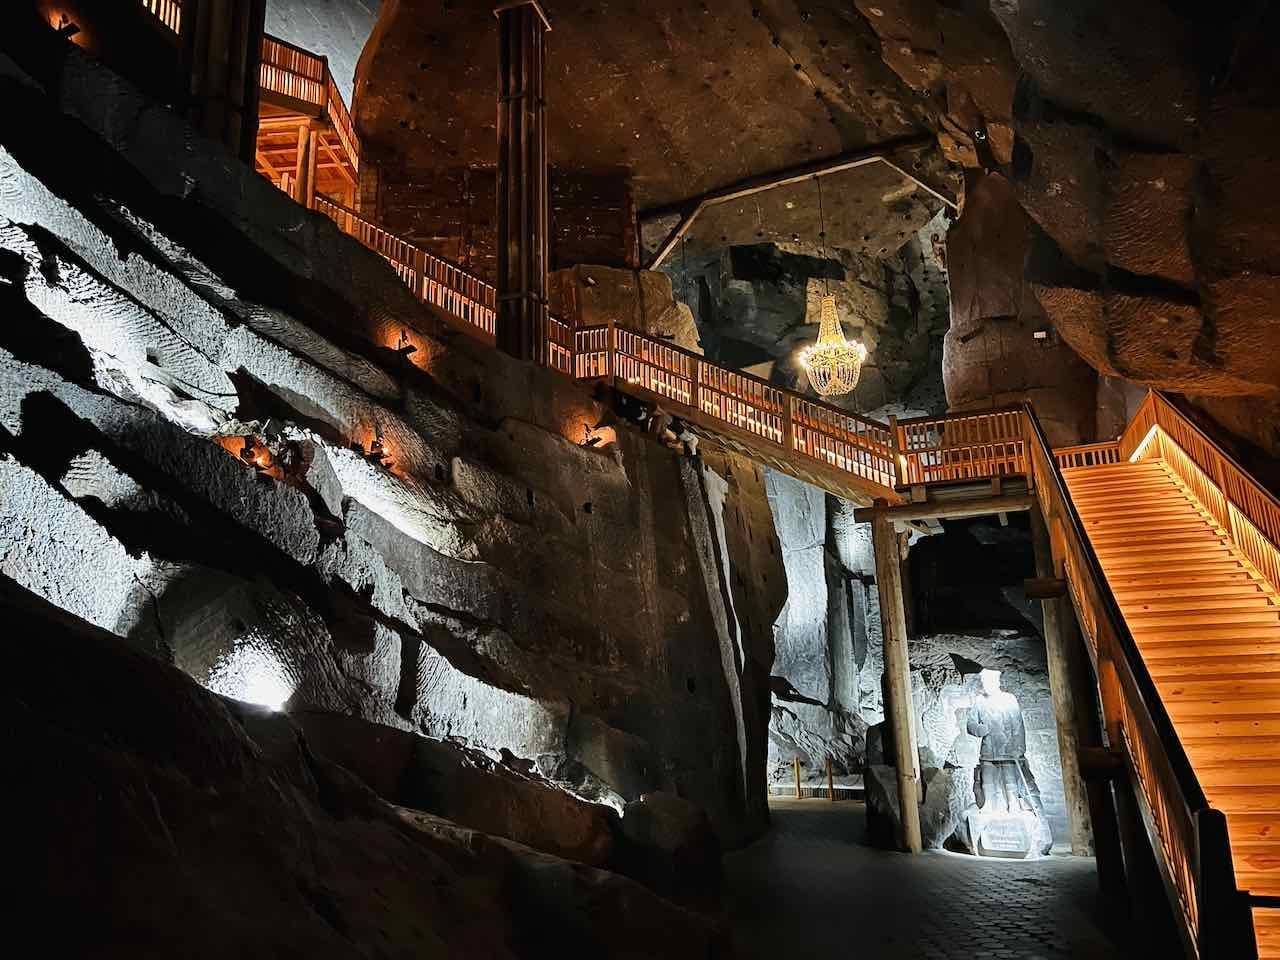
{"x": 168, "y": 12}
{"x": 1088, "y": 454}
{"x": 1190, "y": 837}
{"x": 433, "y": 279}
{"x": 961, "y": 446}
{"x": 1243, "y": 508}
{"x": 795, "y": 425}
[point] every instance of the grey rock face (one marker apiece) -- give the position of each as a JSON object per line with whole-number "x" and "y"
{"x": 118, "y": 759}
{"x": 827, "y": 638}
{"x": 202, "y": 458}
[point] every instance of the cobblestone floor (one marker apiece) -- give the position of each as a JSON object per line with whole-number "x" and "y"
{"x": 812, "y": 888}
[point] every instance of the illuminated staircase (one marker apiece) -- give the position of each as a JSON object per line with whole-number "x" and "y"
{"x": 1207, "y": 625}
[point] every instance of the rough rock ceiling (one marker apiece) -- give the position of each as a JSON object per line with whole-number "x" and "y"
{"x": 682, "y": 96}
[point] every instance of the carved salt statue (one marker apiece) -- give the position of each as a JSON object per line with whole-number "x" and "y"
{"x": 1009, "y": 817}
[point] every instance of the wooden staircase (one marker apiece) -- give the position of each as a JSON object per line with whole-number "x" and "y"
{"x": 1208, "y": 627}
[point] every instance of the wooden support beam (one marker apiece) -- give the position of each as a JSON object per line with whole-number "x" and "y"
{"x": 1044, "y": 588}
{"x": 301, "y": 163}
{"x": 313, "y": 150}
{"x": 343, "y": 166}
{"x": 523, "y": 214}
{"x": 1100, "y": 764}
{"x": 898, "y": 711}
{"x": 221, "y": 49}
{"x": 949, "y": 509}
{"x": 268, "y": 165}
{"x": 1063, "y": 696}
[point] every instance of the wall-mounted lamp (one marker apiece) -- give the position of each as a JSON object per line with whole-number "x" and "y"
{"x": 404, "y": 346}
{"x": 66, "y": 27}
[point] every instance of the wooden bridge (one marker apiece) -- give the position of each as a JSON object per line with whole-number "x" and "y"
{"x": 1167, "y": 548}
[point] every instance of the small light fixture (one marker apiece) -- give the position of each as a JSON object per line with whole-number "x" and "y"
{"x": 404, "y": 346}
{"x": 378, "y": 454}
{"x": 66, "y": 27}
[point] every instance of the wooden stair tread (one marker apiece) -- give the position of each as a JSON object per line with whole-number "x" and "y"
{"x": 1209, "y": 632}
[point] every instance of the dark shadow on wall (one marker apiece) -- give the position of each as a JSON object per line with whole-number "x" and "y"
{"x": 970, "y": 577}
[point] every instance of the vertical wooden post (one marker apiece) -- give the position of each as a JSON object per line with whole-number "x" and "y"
{"x": 789, "y": 423}
{"x": 695, "y": 388}
{"x": 1103, "y": 816}
{"x": 313, "y": 160}
{"x": 896, "y": 432}
{"x": 1064, "y": 696}
{"x": 795, "y": 761}
{"x": 221, "y": 57}
{"x": 899, "y": 711}
{"x": 523, "y": 221}
{"x": 611, "y": 352}
{"x": 301, "y": 163}
{"x": 1153, "y": 926}
{"x": 1226, "y": 924}
{"x": 831, "y": 782}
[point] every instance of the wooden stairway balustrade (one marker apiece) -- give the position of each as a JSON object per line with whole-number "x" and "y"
{"x": 1183, "y": 541}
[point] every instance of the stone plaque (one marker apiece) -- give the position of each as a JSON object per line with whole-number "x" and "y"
{"x": 1005, "y": 836}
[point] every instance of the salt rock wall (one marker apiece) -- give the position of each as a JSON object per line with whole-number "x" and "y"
{"x": 1001, "y": 347}
{"x": 829, "y": 649}
{"x": 1140, "y": 139}
{"x": 592, "y": 295}
{"x": 208, "y": 446}
{"x": 172, "y": 822}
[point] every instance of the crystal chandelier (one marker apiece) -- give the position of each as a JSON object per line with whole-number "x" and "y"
{"x": 832, "y": 363}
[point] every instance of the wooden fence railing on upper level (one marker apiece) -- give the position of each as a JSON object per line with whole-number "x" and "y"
{"x": 1193, "y": 847}
{"x": 966, "y": 446}
{"x": 301, "y": 75}
{"x": 972, "y": 446}
{"x": 287, "y": 70}
{"x": 432, "y": 279}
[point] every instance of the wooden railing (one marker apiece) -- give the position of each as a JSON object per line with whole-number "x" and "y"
{"x": 293, "y": 72}
{"x": 962, "y": 447}
{"x": 168, "y": 12}
{"x": 1088, "y": 454}
{"x": 1194, "y": 852}
{"x": 299, "y": 74}
{"x": 770, "y": 414}
{"x": 1247, "y": 512}
{"x": 432, "y": 279}
{"x": 970, "y": 446}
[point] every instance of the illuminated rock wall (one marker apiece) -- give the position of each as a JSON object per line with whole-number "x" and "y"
{"x": 603, "y": 612}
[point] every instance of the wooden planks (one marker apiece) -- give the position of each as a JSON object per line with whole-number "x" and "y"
{"x": 1208, "y": 628}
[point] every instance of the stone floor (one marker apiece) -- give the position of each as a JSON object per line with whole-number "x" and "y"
{"x": 812, "y": 888}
